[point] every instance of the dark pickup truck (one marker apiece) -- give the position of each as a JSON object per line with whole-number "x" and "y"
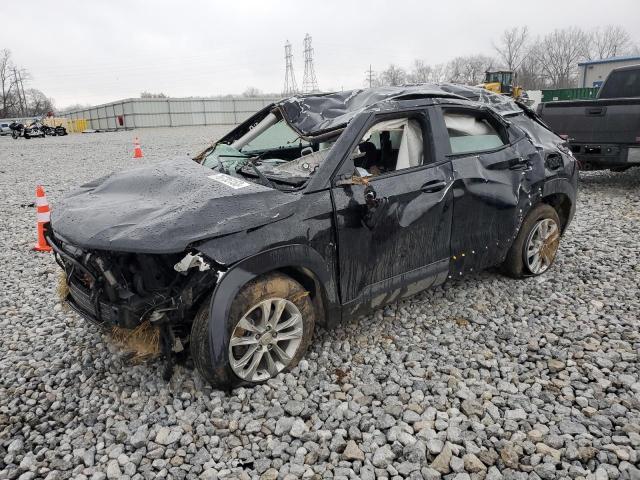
{"x": 605, "y": 132}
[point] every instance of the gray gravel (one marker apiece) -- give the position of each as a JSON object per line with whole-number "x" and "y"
{"x": 483, "y": 377}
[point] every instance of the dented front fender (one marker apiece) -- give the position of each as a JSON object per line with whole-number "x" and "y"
{"x": 299, "y": 257}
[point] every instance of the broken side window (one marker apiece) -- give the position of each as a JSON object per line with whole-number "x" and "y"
{"x": 271, "y": 139}
{"x": 471, "y": 132}
{"x": 270, "y": 152}
{"x": 390, "y": 145}
{"x": 278, "y": 136}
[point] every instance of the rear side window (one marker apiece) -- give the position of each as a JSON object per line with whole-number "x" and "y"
{"x": 622, "y": 84}
{"x": 471, "y": 132}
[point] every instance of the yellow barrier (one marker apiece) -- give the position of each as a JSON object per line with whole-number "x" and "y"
{"x": 79, "y": 125}
{"x": 73, "y": 126}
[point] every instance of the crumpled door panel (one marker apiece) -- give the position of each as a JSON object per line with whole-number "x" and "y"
{"x": 408, "y": 229}
{"x": 492, "y": 193}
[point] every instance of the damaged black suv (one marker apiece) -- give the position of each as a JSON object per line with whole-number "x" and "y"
{"x": 315, "y": 209}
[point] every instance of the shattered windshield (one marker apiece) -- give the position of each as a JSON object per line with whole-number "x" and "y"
{"x": 277, "y": 136}
{"x": 270, "y": 153}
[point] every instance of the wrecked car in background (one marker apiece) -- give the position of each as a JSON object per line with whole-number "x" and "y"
{"x": 316, "y": 209}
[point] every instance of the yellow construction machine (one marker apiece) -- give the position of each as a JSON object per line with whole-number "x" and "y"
{"x": 501, "y": 81}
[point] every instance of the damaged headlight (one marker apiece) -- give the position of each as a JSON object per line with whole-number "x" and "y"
{"x": 191, "y": 261}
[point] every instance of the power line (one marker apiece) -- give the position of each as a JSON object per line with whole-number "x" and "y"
{"x": 309, "y": 81}
{"x": 290, "y": 85}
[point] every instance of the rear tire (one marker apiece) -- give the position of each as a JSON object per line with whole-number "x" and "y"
{"x": 272, "y": 340}
{"x": 531, "y": 254}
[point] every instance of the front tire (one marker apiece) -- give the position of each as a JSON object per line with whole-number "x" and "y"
{"x": 535, "y": 247}
{"x": 269, "y": 328}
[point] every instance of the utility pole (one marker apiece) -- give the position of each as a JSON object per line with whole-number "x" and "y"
{"x": 18, "y": 82}
{"x": 309, "y": 81}
{"x": 24, "y": 97}
{"x": 290, "y": 85}
{"x": 370, "y": 74}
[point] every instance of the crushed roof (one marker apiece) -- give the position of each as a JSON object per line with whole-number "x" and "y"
{"x": 318, "y": 113}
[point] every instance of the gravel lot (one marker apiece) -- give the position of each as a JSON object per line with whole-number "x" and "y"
{"x": 484, "y": 377}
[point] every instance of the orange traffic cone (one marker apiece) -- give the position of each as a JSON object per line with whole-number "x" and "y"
{"x": 43, "y": 215}
{"x": 137, "y": 151}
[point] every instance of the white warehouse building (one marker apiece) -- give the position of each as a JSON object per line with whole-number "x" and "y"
{"x": 169, "y": 112}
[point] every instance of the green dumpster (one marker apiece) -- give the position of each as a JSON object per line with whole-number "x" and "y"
{"x": 553, "y": 95}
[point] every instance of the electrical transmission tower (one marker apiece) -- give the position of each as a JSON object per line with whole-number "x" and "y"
{"x": 371, "y": 75}
{"x": 290, "y": 85}
{"x": 309, "y": 81}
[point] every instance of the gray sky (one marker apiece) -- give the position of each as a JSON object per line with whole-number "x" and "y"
{"x": 95, "y": 52}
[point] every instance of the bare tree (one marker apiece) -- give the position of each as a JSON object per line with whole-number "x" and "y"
{"x": 469, "y": 70}
{"x": 558, "y": 54}
{"x": 152, "y": 95}
{"x": 38, "y": 103}
{"x": 73, "y": 107}
{"x": 609, "y": 41}
{"x": 530, "y": 74}
{"x": 439, "y": 73}
{"x": 393, "y": 75}
{"x": 512, "y": 47}
{"x": 252, "y": 92}
{"x": 7, "y": 85}
{"x": 420, "y": 72}
{"x": 13, "y": 101}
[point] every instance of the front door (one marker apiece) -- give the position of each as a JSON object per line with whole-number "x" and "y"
{"x": 398, "y": 242}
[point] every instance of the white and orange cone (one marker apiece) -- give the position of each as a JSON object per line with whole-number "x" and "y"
{"x": 137, "y": 150}
{"x": 43, "y": 217}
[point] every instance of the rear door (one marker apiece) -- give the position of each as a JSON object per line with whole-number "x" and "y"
{"x": 490, "y": 189}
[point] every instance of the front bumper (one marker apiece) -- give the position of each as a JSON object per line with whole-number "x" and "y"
{"x": 80, "y": 300}
{"x": 90, "y": 302}
{"x": 89, "y": 305}
{"x": 116, "y": 289}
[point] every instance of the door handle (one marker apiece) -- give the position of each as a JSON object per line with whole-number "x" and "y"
{"x": 596, "y": 111}
{"x": 433, "y": 186}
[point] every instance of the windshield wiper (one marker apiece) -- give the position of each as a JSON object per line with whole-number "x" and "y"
{"x": 261, "y": 175}
{"x": 269, "y": 181}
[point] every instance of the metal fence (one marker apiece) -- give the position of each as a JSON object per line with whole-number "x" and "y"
{"x": 169, "y": 112}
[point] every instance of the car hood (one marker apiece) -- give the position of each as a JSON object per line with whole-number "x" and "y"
{"x": 162, "y": 208}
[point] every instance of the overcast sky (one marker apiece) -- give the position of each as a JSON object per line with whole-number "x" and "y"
{"x": 95, "y": 52}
